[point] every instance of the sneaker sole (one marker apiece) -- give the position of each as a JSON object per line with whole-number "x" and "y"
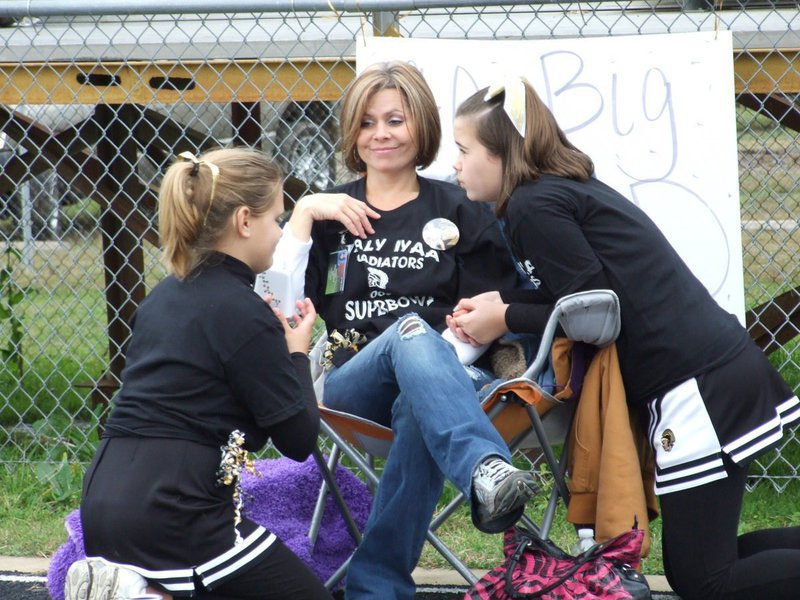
{"x": 78, "y": 582}
{"x": 91, "y": 580}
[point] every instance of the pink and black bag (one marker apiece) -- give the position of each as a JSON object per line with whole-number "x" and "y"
{"x": 537, "y": 568}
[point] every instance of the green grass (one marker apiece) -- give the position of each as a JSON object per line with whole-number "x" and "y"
{"x": 787, "y": 361}
{"x": 33, "y": 522}
{"x": 61, "y": 352}
{"x": 29, "y": 525}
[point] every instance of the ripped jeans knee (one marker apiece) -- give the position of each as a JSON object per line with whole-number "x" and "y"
{"x": 410, "y": 325}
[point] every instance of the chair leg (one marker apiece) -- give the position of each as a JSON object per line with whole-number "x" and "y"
{"x": 338, "y": 575}
{"x": 456, "y": 563}
{"x": 549, "y": 514}
{"x": 368, "y": 470}
{"x": 558, "y": 467}
{"x": 448, "y": 510}
{"x": 373, "y": 485}
{"x": 549, "y": 456}
{"x": 347, "y": 450}
{"x": 319, "y": 508}
{"x": 337, "y": 496}
{"x": 530, "y": 524}
{"x": 441, "y": 547}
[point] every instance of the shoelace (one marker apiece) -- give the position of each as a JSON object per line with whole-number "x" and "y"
{"x": 495, "y": 470}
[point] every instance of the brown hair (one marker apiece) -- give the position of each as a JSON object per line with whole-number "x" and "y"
{"x": 191, "y": 221}
{"x": 418, "y": 98}
{"x": 545, "y": 148}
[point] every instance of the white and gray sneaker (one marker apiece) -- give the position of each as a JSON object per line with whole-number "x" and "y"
{"x": 501, "y": 488}
{"x": 97, "y": 579}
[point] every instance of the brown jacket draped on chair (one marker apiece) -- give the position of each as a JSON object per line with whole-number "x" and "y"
{"x": 610, "y": 461}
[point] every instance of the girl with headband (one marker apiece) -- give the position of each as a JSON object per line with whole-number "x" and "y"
{"x": 209, "y": 366}
{"x": 706, "y": 394}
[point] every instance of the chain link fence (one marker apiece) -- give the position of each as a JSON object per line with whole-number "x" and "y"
{"x": 96, "y": 100}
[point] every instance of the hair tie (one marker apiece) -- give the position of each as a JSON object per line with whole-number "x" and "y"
{"x": 514, "y": 101}
{"x": 189, "y": 157}
{"x": 196, "y": 162}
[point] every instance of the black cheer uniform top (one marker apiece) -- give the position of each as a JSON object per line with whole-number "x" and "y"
{"x": 563, "y": 232}
{"x": 208, "y": 356}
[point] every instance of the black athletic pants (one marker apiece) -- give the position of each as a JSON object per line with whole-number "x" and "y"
{"x": 280, "y": 576}
{"x": 704, "y": 558}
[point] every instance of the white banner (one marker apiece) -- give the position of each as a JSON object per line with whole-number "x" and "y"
{"x": 655, "y": 113}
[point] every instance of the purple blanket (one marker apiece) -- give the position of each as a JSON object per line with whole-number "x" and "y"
{"x": 282, "y": 499}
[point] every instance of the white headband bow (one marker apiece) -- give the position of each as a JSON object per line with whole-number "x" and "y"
{"x": 514, "y": 101}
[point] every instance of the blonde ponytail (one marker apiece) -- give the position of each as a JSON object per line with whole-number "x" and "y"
{"x": 198, "y": 195}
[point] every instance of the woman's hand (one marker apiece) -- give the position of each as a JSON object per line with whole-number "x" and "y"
{"x": 298, "y": 328}
{"x": 484, "y": 297}
{"x": 480, "y": 319}
{"x": 354, "y": 214}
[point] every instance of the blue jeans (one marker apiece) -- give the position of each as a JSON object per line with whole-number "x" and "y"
{"x": 410, "y": 378}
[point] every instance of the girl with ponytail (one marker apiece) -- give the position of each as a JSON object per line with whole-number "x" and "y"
{"x": 209, "y": 365}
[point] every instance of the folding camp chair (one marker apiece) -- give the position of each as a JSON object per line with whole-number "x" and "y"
{"x": 519, "y": 408}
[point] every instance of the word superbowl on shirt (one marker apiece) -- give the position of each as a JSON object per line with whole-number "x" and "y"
{"x": 423, "y": 257}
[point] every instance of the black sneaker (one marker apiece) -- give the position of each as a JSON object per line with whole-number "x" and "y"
{"x": 501, "y": 488}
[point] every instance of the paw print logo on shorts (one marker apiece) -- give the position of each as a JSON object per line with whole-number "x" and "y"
{"x": 667, "y": 440}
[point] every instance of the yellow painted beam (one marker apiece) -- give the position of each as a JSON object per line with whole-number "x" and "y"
{"x": 756, "y": 71}
{"x": 142, "y": 82}
{"x": 767, "y": 71}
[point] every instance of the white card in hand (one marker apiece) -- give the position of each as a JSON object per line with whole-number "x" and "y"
{"x": 279, "y": 285}
{"x": 467, "y": 353}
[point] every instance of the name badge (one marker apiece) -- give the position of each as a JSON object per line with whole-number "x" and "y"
{"x": 337, "y": 270}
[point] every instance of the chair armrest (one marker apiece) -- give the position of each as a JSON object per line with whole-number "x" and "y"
{"x": 591, "y": 317}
